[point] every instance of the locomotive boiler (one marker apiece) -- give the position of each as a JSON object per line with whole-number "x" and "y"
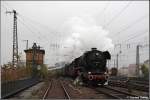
{"x": 90, "y": 67}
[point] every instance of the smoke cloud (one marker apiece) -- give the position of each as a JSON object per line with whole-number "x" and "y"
{"x": 81, "y": 34}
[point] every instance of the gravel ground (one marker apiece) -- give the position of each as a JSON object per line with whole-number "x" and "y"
{"x": 56, "y": 91}
{"x": 75, "y": 92}
{"x": 81, "y": 92}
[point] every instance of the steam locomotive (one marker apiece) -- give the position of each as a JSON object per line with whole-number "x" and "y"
{"x": 90, "y": 67}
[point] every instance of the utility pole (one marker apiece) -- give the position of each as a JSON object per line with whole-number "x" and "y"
{"x": 137, "y": 59}
{"x": 15, "y": 39}
{"x": 26, "y": 44}
{"x": 117, "y": 61}
{"x": 114, "y": 62}
{"x": 117, "y": 65}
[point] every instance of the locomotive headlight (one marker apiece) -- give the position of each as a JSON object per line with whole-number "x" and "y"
{"x": 97, "y": 54}
{"x": 89, "y": 72}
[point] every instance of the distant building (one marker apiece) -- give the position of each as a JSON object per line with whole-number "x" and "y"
{"x": 123, "y": 71}
{"x": 39, "y": 55}
{"x": 132, "y": 70}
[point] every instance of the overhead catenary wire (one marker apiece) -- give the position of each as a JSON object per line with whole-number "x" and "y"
{"x": 25, "y": 17}
{"x": 23, "y": 23}
{"x": 131, "y": 53}
{"x": 118, "y": 14}
{"x": 47, "y": 40}
{"x": 130, "y": 25}
{"x": 28, "y": 27}
{"x": 36, "y": 29}
{"x": 8, "y": 6}
{"x": 109, "y": 23}
{"x": 104, "y": 9}
{"x": 35, "y": 23}
{"x": 4, "y": 7}
{"x": 137, "y": 35}
{"x": 18, "y": 15}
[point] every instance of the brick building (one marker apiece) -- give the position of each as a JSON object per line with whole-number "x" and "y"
{"x": 38, "y": 56}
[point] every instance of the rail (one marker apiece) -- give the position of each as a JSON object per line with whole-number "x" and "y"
{"x": 47, "y": 90}
{"x": 65, "y": 91}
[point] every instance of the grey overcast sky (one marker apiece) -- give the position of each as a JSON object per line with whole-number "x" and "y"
{"x": 76, "y": 26}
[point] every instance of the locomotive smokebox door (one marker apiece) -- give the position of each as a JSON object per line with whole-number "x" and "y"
{"x": 107, "y": 55}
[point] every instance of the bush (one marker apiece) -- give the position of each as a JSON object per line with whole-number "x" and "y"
{"x": 43, "y": 72}
{"x": 113, "y": 71}
{"x": 145, "y": 71}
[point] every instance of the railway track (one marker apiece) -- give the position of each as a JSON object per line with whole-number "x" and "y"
{"x": 47, "y": 90}
{"x": 56, "y": 90}
{"x": 140, "y": 82}
{"x": 115, "y": 94}
{"x": 65, "y": 91}
{"x": 132, "y": 84}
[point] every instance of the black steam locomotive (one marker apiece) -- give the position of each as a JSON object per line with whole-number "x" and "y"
{"x": 90, "y": 67}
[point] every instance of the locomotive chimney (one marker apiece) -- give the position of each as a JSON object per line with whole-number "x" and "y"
{"x": 93, "y": 49}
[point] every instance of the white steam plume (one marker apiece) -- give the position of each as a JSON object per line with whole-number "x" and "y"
{"x": 82, "y": 34}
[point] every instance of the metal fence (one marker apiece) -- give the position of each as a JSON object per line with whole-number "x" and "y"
{"x": 12, "y": 87}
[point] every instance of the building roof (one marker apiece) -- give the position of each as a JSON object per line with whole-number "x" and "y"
{"x": 39, "y": 50}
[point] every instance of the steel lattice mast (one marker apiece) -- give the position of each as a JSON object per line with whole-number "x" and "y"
{"x": 15, "y": 39}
